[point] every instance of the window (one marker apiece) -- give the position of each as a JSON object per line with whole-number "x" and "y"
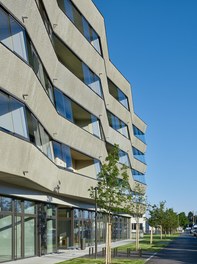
{"x": 76, "y": 114}
{"x": 138, "y": 155}
{"x": 124, "y": 158}
{"x": 76, "y": 66}
{"x": 91, "y": 79}
{"x": 62, "y": 155}
{"x": 40, "y": 72}
{"x": 139, "y": 134}
{"x": 13, "y": 115}
{"x": 138, "y": 176}
{"x": 81, "y": 23}
{"x": 97, "y": 165}
{"x": 12, "y": 35}
{"x": 18, "y": 117}
{"x": 117, "y": 124}
{"x": 118, "y": 94}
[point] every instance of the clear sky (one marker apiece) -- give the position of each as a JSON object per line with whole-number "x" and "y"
{"x": 154, "y": 44}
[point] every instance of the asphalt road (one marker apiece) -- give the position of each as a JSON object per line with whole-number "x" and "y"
{"x": 182, "y": 250}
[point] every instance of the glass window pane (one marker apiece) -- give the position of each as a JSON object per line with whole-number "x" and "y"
{"x": 58, "y": 155}
{"x": 5, "y": 238}
{"x": 97, "y": 165}
{"x": 60, "y": 104}
{"x": 5, "y": 204}
{"x": 51, "y": 235}
{"x": 69, "y": 9}
{"x": 96, "y": 126}
{"x": 95, "y": 41}
{"x": 46, "y": 143}
{"x": 67, "y": 156}
{"x": 18, "y": 117}
{"x": 5, "y": 34}
{"x": 18, "y": 38}
{"x": 37, "y": 66}
{"x": 86, "y": 29}
{"x": 5, "y": 113}
{"x": 29, "y": 236}
{"x": 68, "y": 108}
{"x": 29, "y": 207}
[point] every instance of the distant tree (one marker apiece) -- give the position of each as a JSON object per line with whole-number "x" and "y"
{"x": 170, "y": 221}
{"x": 190, "y": 217}
{"x": 157, "y": 215}
{"x": 183, "y": 220}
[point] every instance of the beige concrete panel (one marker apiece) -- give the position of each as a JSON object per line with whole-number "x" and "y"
{"x": 36, "y": 29}
{"x": 139, "y": 123}
{"x": 137, "y": 165}
{"x": 24, "y": 160}
{"x": 137, "y": 143}
{"x": 22, "y": 76}
{"x": 117, "y": 78}
{"x": 114, "y": 137}
{"x": 118, "y": 110}
{"x": 15, "y": 154}
{"x": 74, "y": 185}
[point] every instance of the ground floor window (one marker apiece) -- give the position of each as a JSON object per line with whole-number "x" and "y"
{"x": 77, "y": 226}
{"x": 27, "y": 228}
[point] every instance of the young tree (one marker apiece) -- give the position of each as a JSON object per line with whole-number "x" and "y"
{"x": 157, "y": 215}
{"x": 111, "y": 185}
{"x": 137, "y": 204}
{"x": 183, "y": 220}
{"x": 170, "y": 221}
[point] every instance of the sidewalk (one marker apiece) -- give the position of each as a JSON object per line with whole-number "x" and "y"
{"x": 63, "y": 255}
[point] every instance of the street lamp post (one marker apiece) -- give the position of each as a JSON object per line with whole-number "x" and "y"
{"x": 96, "y": 189}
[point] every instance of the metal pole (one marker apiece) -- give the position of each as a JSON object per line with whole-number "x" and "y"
{"x": 96, "y": 188}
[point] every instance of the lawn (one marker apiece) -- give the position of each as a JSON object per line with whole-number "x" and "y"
{"x": 157, "y": 245}
{"x": 145, "y": 245}
{"x": 102, "y": 261}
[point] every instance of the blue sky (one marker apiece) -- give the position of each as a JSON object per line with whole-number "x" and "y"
{"x": 154, "y": 44}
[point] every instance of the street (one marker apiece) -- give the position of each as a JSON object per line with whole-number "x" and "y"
{"x": 182, "y": 250}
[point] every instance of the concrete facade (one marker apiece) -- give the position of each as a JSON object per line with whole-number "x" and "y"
{"x": 35, "y": 171}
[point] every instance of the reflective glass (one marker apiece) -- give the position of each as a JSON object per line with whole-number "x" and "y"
{"x": 29, "y": 236}
{"x": 18, "y": 117}
{"x": 29, "y": 207}
{"x": 5, "y": 113}
{"x": 5, "y": 238}
{"x": 19, "y": 39}
{"x": 60, "y": 104}
{"x": 5, "y": 34}
{"x": 58, "y": 154}
{"x": 5, "y": 204}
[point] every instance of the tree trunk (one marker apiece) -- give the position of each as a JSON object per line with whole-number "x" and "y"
{"x": 108, "y": 244}
{"x": 151, "y": 235}
{"x": 137, "y": 233}
{"x": 161, "y": 231}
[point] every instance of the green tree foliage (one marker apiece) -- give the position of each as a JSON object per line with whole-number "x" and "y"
{"x": 164, "y": 217}
{"x": 157, "y": 214}
{"x": 112, "y": 183}
{"x": 183, "y": 220}
{"x": 190, "y": 217}
{"x": 170, "y": 221}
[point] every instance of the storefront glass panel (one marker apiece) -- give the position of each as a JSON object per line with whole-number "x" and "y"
{"x": 5, "y": 237}
{"x": 29, "y": 236}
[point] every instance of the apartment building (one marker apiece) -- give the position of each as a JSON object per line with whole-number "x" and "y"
{"x": 63, "y": 105}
